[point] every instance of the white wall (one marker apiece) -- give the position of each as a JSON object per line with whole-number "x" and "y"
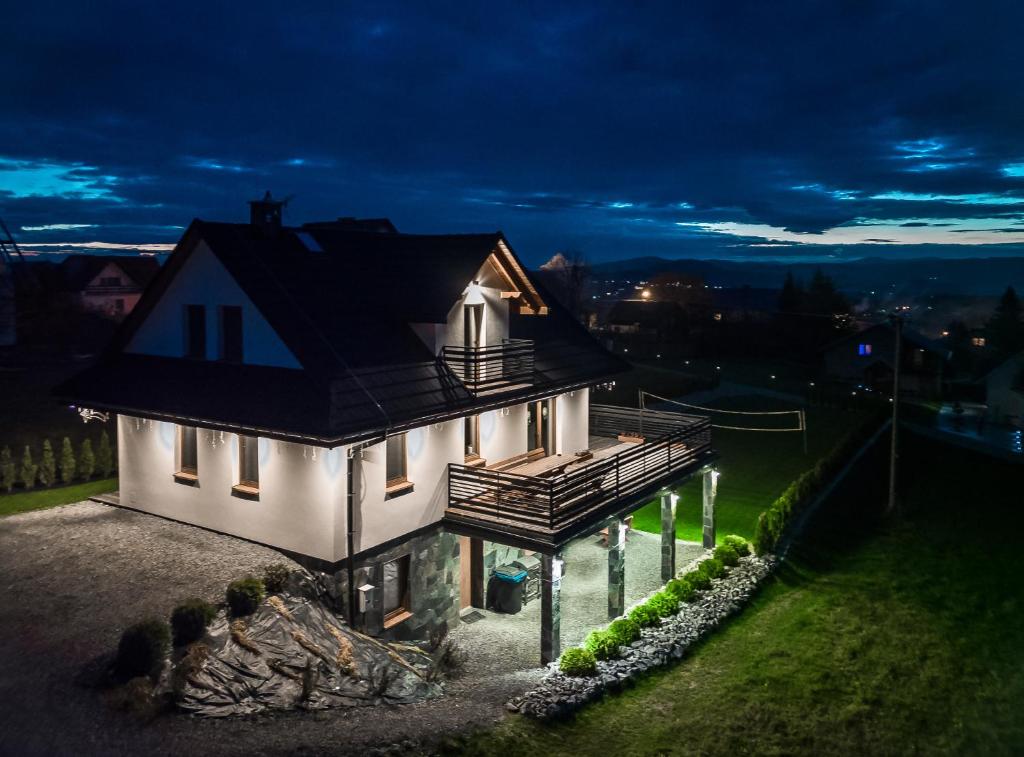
{"x": 429, "y": 449}
{"x": 1005, "y": 403}
{"x": 301, "y": 506}
{"x": 572, "y": 419}
{"x": 503, "y": 436}
{"x": 204, "y": 281}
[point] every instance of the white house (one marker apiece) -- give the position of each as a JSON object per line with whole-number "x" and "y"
{"x": 389, "y": 409}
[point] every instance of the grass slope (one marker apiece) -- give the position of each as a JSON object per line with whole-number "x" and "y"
{"x": 897, "y": 637}
{"x": 39, "y": 499}
{"x": 756, "y": 467}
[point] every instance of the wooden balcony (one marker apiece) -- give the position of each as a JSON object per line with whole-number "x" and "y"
{"x": 620, "y": 476}
{"x": 495, "y": 368}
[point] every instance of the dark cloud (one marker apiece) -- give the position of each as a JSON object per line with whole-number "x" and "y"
{"x": 589, "y": 125}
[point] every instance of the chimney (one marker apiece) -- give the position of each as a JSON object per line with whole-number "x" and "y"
{"x": 265, "y": 214}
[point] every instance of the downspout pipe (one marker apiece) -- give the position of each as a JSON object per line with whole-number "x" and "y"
{"x": 350, "y": 536}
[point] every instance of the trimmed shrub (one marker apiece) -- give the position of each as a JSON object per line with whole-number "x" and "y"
{"x": 275, "y": 576}
{"x": 189, "y": 620}
{"x": 29, "y": 470}
{"x": 698, "y": 580}
{"x": 727, "y": 555}
{"x": 68, "y": 467}
{"x": 644, "y": 616}
{"x": 142, "y": 649}
{"x": 8, "y": 471}
{"x": 86, "y": 461}
{"x": 712, "y": 568}
{"x": 47, "y": 466}
{"x": 577, "y": 662}
{"x": 244, "y": 595}
{"x": 105, "y": 455}
{"x": 625, "y": 631}
{"x": 664, "y": 604}
{"x": 741, "y": 545}
{"x": 604, "y": 645}
{"x": 681, "y": 589}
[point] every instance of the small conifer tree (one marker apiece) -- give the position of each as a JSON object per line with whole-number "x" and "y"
{"x": 29, "y": 470}
{"x": 86, "y": 461}
{"x": 105, "y": 456}
{"x": 68, "y": 468}
{"x": 8, "y": 471}
{"x": 47, "y": 466}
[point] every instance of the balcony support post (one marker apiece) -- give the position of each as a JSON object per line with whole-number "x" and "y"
{"x": 668, "y": 535}
{"x": 477, "y": 592}
{"x": 550, "y": 608}
{"x": 616, "y": 567}
{"x": 708, "y": 514}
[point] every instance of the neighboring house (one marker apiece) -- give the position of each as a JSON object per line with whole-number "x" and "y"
{"x": 109, "y": 285}
{"x": 867, "y": 357}
{"x": 392, "y": 410}
{"x": 1004, "y": 392}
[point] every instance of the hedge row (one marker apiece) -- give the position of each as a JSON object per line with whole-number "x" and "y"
{"x": 773, "y": 522}
{"x": 50, "y": 470}
{"x": 607, "y": 644}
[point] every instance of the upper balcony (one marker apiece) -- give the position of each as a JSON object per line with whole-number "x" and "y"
{"x": 633, "y": 453}
{"x": 495, "y": 368}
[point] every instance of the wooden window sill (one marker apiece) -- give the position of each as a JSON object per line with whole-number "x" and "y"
{"x": 395, "y": 618}
{"x": 245, "y": 491}
{"x": 475, "y": 461}
{"x": 397, "y": 489}
{"x": 184, "y": 477}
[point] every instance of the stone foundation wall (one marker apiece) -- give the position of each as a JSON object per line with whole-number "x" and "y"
{"x": 433, "y": 586}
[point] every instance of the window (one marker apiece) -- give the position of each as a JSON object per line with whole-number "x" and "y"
{"x": 396, "y": 476}
{"x": 118, "y": 306}
{"x": 188, "y": 454}
{"x": 978, "y": 341}
{"x": 195, "y": 331}
{"x": 396, "y": 591}
{"x": 231, "y": 333}
{"x": 864, "y": 349}
{"x": 110, "y": 281}
{"x": 248, "y": 465}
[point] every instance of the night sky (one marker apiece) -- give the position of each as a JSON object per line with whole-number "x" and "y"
{"x": 709, "y": 129}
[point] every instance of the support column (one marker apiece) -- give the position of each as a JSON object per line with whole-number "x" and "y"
{"x": 550, "y": 608}
{"x": 668, "y": 535}
{"x": 616, "y": 567}
{"x": 708, "y": 519}
{"x": 477, "y": 587}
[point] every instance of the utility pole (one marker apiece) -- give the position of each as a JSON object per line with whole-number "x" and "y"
{"x": 897, "y": 324}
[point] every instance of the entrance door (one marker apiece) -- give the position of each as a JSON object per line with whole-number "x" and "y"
{"x": 540, "y": 426}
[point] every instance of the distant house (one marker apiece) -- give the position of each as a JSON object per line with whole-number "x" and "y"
{"x": 1004, "y": 392}
{"x": 866, "y": 358}
{"x": 642, "y": 328}
{"x": 109, "y": 285}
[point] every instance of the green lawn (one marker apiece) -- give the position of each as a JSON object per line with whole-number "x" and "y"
{"x": 756, "y": 467}
{"x": 39, "y": 499}
{"x": 877, "y": 637}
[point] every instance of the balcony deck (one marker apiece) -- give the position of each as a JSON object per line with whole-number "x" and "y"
{"x": 548, "y": 510}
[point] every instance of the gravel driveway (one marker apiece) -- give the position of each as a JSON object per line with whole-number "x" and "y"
{"x": 73, "y": 577}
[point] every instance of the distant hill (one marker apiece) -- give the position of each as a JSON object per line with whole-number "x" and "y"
{"x": 973, "y": 276}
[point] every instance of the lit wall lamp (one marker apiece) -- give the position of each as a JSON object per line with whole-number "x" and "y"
{"x": 474, "y": 295}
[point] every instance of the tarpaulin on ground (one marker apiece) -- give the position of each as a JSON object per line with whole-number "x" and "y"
{"x": 294, "y": 652}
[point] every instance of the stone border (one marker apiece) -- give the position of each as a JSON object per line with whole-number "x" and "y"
{"x": 558, "y": 695}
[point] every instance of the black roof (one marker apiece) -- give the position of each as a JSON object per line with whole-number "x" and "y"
{"x": 910, "y": 336}
{"x": 78, "y": 270}
{"x": 342, "y": 299}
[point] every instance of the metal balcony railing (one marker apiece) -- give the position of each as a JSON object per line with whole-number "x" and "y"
{"x": 492, "y": 368}
{"x": 549, "y": 507}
